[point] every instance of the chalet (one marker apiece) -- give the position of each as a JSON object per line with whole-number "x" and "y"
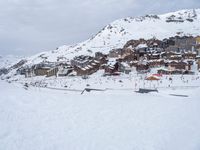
{"x": 163, "y": 71}
{"x": 99, "y": 55}
{"x": 185, "y": 43}
{"x": 153, "y": 56}
{"x": 154, "y": 50}
{"x": 190, "y": 62}
{"x": 188, "y": 72}
{"x": 64, "y": 71}
{"x": 81, "y": 71}
{"x": 189, "y": 55}
{"x": 176, "y": 57}
{"x": 111, "y": 67}
{"x": 21, "y": 71}
{"x": 141, "y": 49}
{"x": 133, "y": 63}
{"x": 177, "y": 71}
{"x": 172, "y": 48}
{"x": 29, "y": 72}
{"x": 175, "y": 65}
{"x": 96, "y": 64}
{"x": 197, "y": 58}
{"x": 101, "y": 60}
{"x": 81, "y": 61}
{"x": 168, "y": 42}
{"x": 171, "y": 55}
{"x": 125, "y": 68}
{"x": 88, "y": 70}
{"x": 154, "y": 44}
{"x": 41, "y": 69}
{"x": 163, "y": 55}
{"x": 142, "y": 67}
{"x": 128, "y": 51}
{"x": 131, "y": 44}
{"x": 129, "y": 58}
{"x": 178, "y": 44}
{"x": 167, "y": 72}
{"x": 115, "y": 53}
{"x": 156, "y": 63}
{"x": 52, "y": 72}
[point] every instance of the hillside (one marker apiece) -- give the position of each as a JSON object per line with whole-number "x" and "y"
{"x": 117, "y": 33}
{"x": 9, "y": 60}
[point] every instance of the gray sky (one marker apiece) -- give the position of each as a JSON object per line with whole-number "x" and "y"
{"x": 31, "y": 26}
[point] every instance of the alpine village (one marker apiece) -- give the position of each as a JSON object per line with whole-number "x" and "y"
{"x": 175, "y": 55}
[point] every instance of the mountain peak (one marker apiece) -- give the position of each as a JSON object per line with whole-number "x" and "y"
{"x": 182, "y": 15}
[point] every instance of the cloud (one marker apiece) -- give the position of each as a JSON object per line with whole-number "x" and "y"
{"x": 31, "y": 26}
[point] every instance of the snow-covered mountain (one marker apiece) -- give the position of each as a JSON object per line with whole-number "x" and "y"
{"x": 9, "y": 60}
{"x": 117, "y": 33}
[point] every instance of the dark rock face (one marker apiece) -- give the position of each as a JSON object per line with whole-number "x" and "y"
{"x": 3, "y": 71}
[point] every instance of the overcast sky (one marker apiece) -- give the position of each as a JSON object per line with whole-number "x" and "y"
{"x": 31, "y": 26}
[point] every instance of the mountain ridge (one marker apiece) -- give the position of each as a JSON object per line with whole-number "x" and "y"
{"x": 117, "y": 33}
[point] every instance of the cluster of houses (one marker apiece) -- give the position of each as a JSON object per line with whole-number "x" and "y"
{"x": 175, "y": 55}
{"x": 79, "y": 66}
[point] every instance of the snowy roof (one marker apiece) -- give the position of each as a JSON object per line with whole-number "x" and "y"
{"x": 96, "y": 61}
{"x": 125, "y": 65}
{"x": 83, "y": 69}
{"x": 156, "y": 54}
{"x": 162, "y": 68}
{"x": 141, "y": 46}
{"x": 63, "y": 71}
{"x": 112, "y": 61}
{"x": 142, "y": 63}
{"x": 89, "y": 66}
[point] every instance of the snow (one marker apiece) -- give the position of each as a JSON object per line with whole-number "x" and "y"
{"x": 53, "y": 114}
{"x": 46, "y": 119}
{"x": 116, "y": 34}
{"x": 112, "y": 61}
{"x": 141, "y": 46}
{"x": 9, "y": 60}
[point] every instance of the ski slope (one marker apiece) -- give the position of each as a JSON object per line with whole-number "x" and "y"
{"x": 46, "y": 119}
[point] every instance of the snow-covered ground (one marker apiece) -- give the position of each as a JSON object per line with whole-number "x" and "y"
{"x": 133, "y": 81}
{"x": 46, "y": 119}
